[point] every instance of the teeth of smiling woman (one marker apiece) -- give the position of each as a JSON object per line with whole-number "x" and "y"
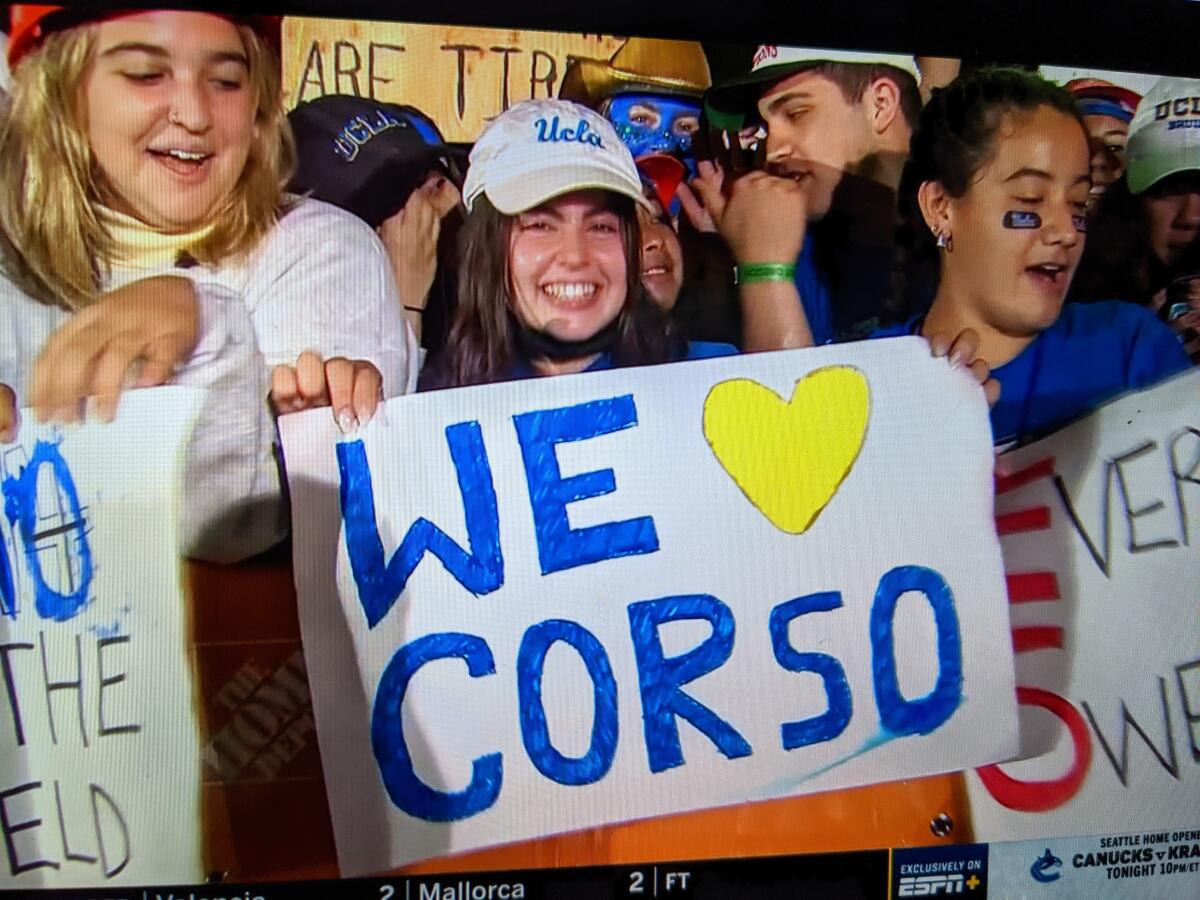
{"x": 185, "y": 155}
{"x": 563, "y": 291}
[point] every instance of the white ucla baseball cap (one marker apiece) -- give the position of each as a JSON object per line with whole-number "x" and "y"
{"x": 1164, "y": 136}
{"x": 541, "y": 149}
{"x": 729, "y": 103}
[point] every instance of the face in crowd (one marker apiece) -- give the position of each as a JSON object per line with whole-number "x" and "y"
{"x": 1106, "y": 138}
{"x": 662, "y": 255}
{"x": 814, "y": 135}
{"x": 657, "y": 123}
{"x": 170, "y": 115}
{"x": 1173, "y": 209}
{"x": 567, "y": 265}
{"x": 1016, "y": 278}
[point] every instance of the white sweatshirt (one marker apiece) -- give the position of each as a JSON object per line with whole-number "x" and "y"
{"x": 320, "y": 280}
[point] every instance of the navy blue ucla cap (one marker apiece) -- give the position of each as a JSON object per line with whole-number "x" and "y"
{"x": 366, "y": 156}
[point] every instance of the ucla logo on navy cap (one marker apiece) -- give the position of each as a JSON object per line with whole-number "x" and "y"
{"x": 360, "y": 129}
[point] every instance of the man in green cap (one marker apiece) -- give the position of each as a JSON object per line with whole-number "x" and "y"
{"x": 836, "y": 126}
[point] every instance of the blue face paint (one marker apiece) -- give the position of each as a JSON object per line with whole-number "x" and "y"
{"x": 656, "y": 123}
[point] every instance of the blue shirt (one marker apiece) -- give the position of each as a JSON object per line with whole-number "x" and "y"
{"x": 1094, "y": 352}
{"x": 814, "y": 294}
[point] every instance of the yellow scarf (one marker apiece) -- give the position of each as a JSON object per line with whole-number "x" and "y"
{"x": 139, "y": 246}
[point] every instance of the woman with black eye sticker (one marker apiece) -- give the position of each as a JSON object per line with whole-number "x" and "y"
{"x": 993, "y": 200}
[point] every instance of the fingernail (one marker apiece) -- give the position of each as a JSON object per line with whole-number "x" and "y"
{"x": 957, "y": 357}
{"x": 346, "y": 421}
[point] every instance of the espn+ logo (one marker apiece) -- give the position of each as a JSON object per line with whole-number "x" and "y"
{"x": 935, "y": 885}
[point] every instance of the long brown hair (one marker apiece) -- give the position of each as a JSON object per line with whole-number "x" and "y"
{"x": 54, "y": 244}
{"x": 482, "y": 345}
{"x": 1118, "y": 261}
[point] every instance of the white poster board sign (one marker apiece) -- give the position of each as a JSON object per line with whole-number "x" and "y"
{"x": 553, "y": 604}
{"x": 99, "y": 756}
{"x": 1100, "y": 526}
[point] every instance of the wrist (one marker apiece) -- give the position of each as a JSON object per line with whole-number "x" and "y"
{"x": 757, "y": 272}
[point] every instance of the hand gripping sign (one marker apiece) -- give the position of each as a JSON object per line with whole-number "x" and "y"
{"x": 552, "y": 604}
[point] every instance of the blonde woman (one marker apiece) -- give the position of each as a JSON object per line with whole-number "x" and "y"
{"x": 147, "y": 238}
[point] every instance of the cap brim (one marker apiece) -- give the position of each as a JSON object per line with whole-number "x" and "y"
{"x": 1140, "y": 178}
{"x": 728, "y": 105}
{"x": 1086, "y": 88}
{"x": 518, "y": 195}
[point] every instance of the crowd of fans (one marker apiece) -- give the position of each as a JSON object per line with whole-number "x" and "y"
{"x": 162, "y": 219}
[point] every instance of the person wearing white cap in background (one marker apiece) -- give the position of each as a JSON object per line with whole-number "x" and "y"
{"x": 1144, "y": 242}
{"x": 549, "y": 271}
{"x": 836, "y": 126}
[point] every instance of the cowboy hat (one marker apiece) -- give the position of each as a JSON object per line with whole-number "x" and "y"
{"x": 641, "y": 65}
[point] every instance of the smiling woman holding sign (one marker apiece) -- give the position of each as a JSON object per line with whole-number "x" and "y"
{"x": 549, "y": 256}
{"x": 147, "y": 239}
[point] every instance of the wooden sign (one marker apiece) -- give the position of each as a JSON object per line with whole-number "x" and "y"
{"x": 460, "y": 77}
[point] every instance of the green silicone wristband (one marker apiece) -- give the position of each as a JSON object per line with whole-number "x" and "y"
{"x": 749, "y": 273}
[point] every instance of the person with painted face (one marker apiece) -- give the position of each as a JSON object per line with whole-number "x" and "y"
{"x": 146, "y": 239}
{"x": 812, "y": 231}
{"x": 549, "y": 256}
{"x": 1144, "y": 241}
{"x": 651, "y": 91}
{"x": 1107, "y": 110}
{"x": 994, "y": 200}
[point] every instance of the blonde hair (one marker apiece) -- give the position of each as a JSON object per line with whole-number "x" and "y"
{"x": 55, "y": 246}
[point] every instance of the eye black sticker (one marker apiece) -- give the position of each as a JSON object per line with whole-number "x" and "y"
{"x": 1016, "y": 218}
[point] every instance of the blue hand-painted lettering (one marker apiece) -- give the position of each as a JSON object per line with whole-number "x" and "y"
{"x": 8, "y": 595}
{"x": 560, "y": 546}
{"x": 833, "y": 721}
{"x": 660, "y": 678}
{"x": 481, "y": 571}
{"x": 920, "y": 716}
{"x": 535, "y": 732}
{"x": 395, "y": 763}
{"x": 21, "y": 507}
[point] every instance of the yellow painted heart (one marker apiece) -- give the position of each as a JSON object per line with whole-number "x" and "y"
{"x": 789, "y": 458}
